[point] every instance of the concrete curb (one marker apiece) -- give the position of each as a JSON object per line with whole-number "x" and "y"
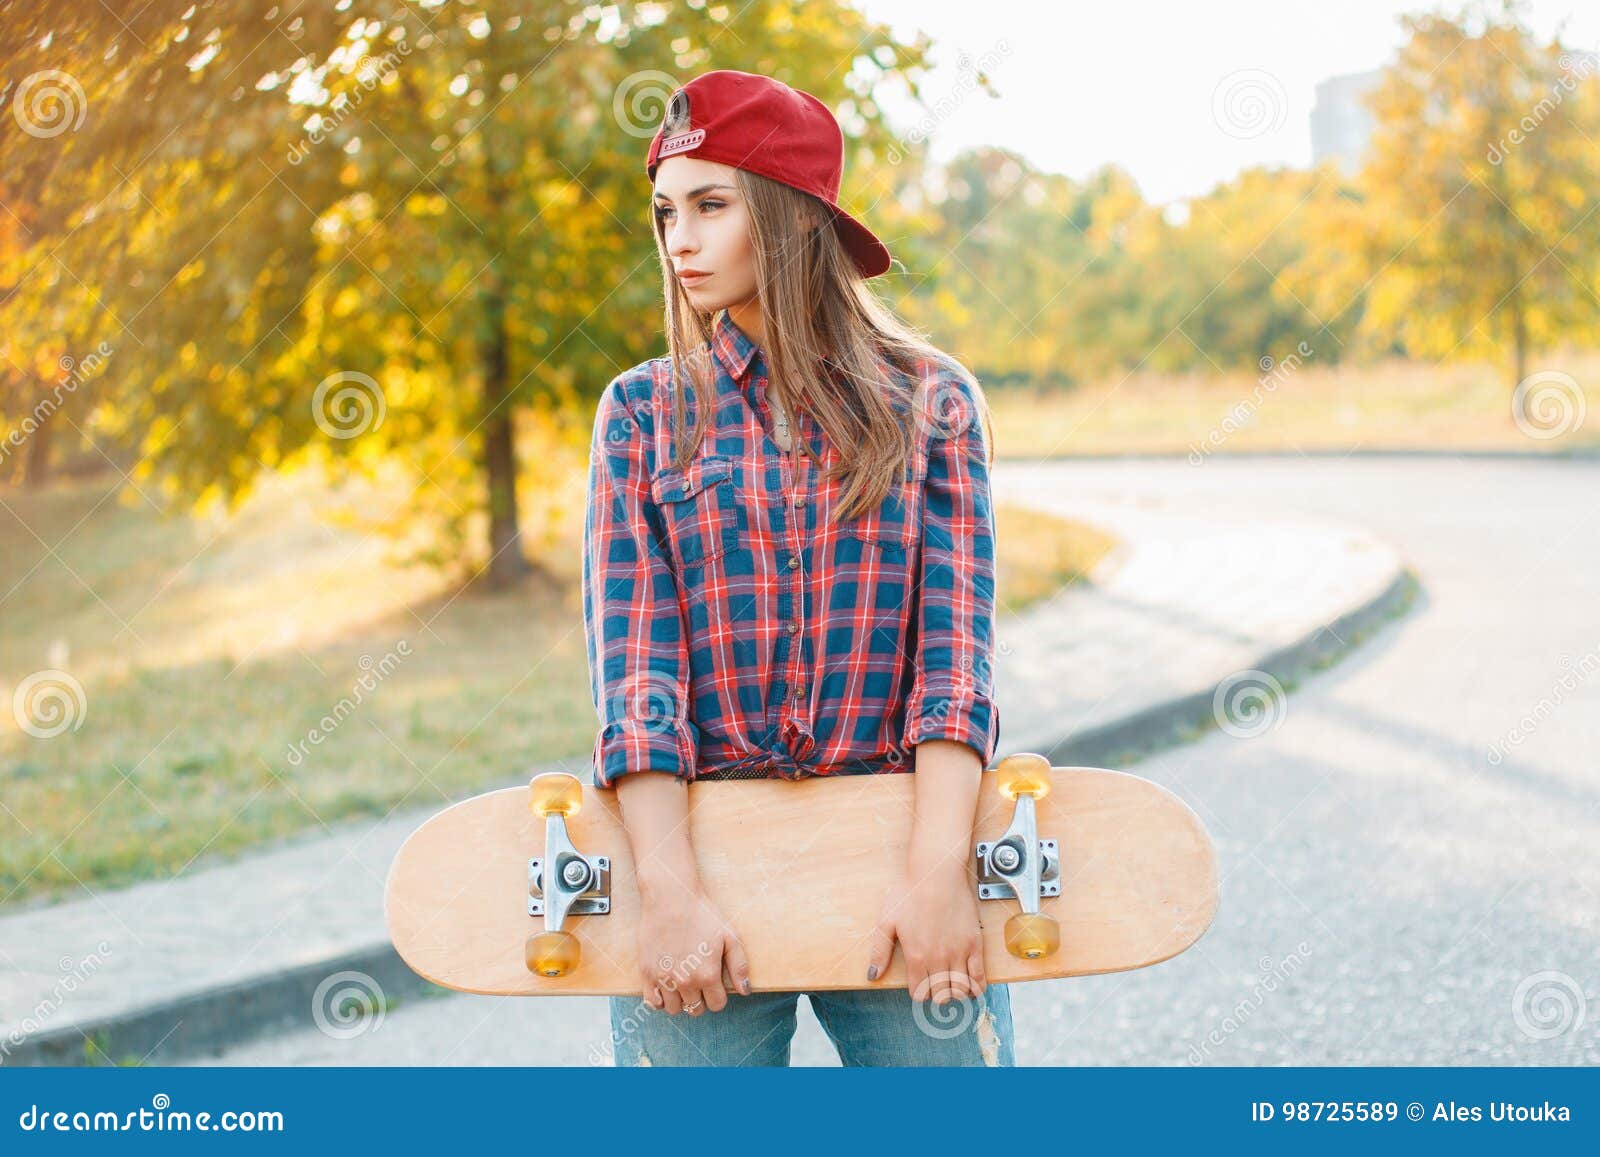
{"x": 208, "y": 1020}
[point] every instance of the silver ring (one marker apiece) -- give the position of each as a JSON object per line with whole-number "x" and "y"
{"x": 692, "y": 1007}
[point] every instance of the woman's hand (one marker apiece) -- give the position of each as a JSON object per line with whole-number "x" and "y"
{"x": 932, "y": 909}
{"x": 686, "y": 950}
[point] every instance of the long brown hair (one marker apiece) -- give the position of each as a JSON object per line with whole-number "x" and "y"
{"x": 831, "y": 346}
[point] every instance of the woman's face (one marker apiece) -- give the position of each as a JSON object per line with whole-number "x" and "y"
{"x": 705, "y": 225}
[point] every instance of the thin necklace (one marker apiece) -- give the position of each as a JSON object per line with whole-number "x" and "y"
{"x": 780, "y": 419}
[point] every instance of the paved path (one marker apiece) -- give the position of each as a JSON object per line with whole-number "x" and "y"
{"x": 1201, "y": 589}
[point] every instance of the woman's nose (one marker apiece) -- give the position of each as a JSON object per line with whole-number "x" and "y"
{"x": 680, "y": 239}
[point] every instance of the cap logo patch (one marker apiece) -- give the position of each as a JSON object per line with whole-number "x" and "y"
{"x": 681, "y": 143}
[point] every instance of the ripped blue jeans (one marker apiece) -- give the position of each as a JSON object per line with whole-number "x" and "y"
{"x": 869, "y": 1026}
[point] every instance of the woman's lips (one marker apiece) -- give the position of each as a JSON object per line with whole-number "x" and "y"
{"x": 692, "y": 278}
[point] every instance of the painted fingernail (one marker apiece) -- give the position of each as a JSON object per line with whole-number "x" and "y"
{"x": 872, "y": 972}
{"x": 745, "y": 987}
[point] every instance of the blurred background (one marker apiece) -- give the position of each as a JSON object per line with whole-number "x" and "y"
{"x": 305, "y": 308}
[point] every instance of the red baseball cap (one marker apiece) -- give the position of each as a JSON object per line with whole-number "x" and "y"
{"x": 761, "y": 125}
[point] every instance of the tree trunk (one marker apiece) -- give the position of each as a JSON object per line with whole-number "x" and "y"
{"x": 36, "y": 473}
{"x": 1519, "y": 340}
{"x": 507, "y": 566}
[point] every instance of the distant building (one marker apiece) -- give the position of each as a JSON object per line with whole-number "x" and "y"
{"x": 1341, "y": 126}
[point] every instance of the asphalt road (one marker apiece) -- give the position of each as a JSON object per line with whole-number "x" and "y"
{"x": 1392, "y": 893}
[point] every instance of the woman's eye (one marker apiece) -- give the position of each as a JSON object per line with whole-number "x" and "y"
{"x": 663, "y": 211}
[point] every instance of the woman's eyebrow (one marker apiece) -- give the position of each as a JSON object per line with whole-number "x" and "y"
{"x": 693, "y": 193}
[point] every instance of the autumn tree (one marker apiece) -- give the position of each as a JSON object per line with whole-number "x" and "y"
{"x": 375, "y": 232}
{"x": 1478, "y": 217}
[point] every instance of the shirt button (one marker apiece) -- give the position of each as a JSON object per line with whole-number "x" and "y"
{"x": 799, "y": 500}
{"x": 793, "y": 627}
{"x": 793, "y": 563}
{"x": 800, "y": 691}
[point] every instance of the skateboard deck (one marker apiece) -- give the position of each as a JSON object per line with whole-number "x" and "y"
{"x": 1123, "y": 870}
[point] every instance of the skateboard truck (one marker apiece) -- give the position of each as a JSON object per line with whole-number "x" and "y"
{"x": 577, "y": 885}
{"x": 1019, "y": 864}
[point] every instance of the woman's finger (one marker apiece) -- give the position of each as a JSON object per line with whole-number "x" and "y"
{"x": 881, "y": 950}
{"x": 955, "y": 979}
{"x": 918, "y": 982}
{"x": 970, "y": 977}
{"x": 694, "y": 1000}
{"x": 973, "y": 988}
{"x": 714, "y": 994}
{"x": 736, "y": 965}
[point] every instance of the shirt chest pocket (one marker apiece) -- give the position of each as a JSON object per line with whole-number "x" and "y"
{"x": 895, "y": 523}
{"x": 699, "y": 505}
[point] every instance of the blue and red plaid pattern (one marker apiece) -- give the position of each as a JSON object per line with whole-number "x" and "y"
{"x": 735, "y": 630}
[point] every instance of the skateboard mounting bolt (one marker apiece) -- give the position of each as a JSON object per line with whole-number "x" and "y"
{"x": 1006, "y": 858}
{"x": 576, "y": 874}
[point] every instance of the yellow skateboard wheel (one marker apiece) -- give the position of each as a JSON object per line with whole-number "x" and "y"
{"x": 1032, "y": 935}
{"x": 551, "y": 953}
{"x": 1024, "y": 774}
{"x": 555, "y": 793}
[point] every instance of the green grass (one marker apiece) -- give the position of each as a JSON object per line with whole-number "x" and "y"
{"x": 1038, "y": 554}
{"x": 207, "y": 647}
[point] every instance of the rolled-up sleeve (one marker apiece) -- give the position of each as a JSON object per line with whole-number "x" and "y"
{"x": 638, "y": 652}
{"x": 952, "y": 696}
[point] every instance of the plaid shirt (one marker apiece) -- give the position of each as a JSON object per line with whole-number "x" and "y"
{"x": 733, "y": 628}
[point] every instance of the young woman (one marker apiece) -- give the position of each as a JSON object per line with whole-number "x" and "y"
{"x": 788, "y": 572}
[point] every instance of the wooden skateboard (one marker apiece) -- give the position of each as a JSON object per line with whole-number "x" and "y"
{"x": 531, "y": 891}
